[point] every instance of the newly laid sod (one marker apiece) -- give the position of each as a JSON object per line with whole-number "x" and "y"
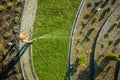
{"x": 53, "y": 24}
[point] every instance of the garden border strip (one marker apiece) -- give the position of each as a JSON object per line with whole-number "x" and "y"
{"x": 27, "y": 22}
{"x": 72, "y": 37}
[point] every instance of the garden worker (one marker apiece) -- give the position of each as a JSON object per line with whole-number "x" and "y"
{"x": 24, "y": 38}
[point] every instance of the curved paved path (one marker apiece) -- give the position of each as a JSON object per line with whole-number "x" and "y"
{"x": 27, "y": 22}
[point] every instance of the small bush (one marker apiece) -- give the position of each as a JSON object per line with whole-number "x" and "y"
{"x": 2, "y": 8}
{"x": 102, "y": 45}
{"x": 79, "y": 40}
{"x": 19, "y": 1}
{"x": 7, "y": 34}
{"x": 112, "y": 57}
{"x": 95, "y": 18}
{"x": 92, "y": 29}
{"x": 82, "y": 59}
{"x": 82, "y": 31}
{"x": 84, "y": 22}
{"x": 16, "y": 20}
{"x": 110, "y": 42}
{"x": 88, "y": 14}
{"x": 108, "y": 9}
{"x": 88, "y": 38}
{"x": 107, "y": 34}
{"x": 116, "y": 23}
{"x": 17, "y": 10}
{"x": 89, "y": 4}
{"x": 78, "y": 49}
{"x": 10, "y": 4}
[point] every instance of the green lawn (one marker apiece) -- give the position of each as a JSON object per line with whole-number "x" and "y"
{"x": 54, "y": 18}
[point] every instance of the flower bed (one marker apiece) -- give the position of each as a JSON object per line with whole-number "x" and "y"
{"x": 10, "y": 19}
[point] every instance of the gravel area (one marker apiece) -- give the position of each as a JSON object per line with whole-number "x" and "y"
{"x": 114, "y": 34}
{"x": 84, "y": 46}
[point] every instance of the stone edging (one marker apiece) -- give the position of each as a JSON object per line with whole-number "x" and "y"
{"x": 27, "y": 22}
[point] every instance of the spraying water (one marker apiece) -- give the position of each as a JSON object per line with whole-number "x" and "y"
{"x": 53, "y": 35}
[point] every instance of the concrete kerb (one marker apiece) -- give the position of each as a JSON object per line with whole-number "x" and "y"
{"x": 72, "y": 37}
{"x": 27, "y": 22}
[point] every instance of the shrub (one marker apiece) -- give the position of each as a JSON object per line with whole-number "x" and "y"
{"x": 2, "y": 8}
{"x": 116, "y": 23}
{"x": 81, "y": 31}
{"x": 18, "y": 77}
{"x": 108, "y": 9}
{"x": 89, "y": 38}
{"x": 78, "y": 49}
{"x": 19, "y": 1}
{"x": 84, "y": 22}
{"x": 92, "y": 29}
{"x": 110, "y": 42}
{"x": 7, "y": 34}
{"x": 107, "y": 34}
{"x": 112, "y": 57}
{"x": 89, "y": 4}
{"x": 102, "y": 45}
{"x": 15, "y": 29}
{"x": 79, "y": 40}
{"x": 10, "y": 4}
{"x": 17, "y": 10}
{"x": 95, "y": 18}
{"x": 88, "y": 14}
{"x": 16, "y": 20}
{"x": 82, "y": 59}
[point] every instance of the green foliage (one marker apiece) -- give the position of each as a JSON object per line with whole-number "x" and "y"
{"x": 102, "y": 45}
{"x": 116, "y": 23}
{"x": 79, "y": 40}
{"x": 20, "y": 1}
{"x": 95, "y": 18}
{"x": 81, "y": 31}
{"x": 7, "y": 34}
{"x": 9, "y": 4}
{"x": 89, "y": 4}
{"x": 2, "y": 8}
{"x": 84, "y": 21}
{"x": 16, "y": 20}
{"x": 88, "y": 14}
{"x": 107, "y": 34}
{"x": 92, "y": 29}
{"x": 82, "y": 59}
{"x": 108, "y": 9}
{"x": 88, "y": 38}
{"x": 112, "y": 57}
{"x": 17, "y": 9}
{"x": 110, "y": 42}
